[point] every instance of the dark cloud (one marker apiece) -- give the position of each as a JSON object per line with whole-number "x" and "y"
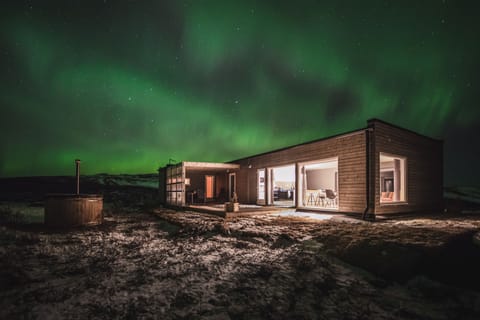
{"x": 461, "y": 155}
{"x": 340, "y": 101}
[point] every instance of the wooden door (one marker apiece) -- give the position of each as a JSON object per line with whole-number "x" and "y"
{"x": 209, "y": 187}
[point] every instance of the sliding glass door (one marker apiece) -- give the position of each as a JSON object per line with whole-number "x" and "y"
{"x": 282, "y": 186}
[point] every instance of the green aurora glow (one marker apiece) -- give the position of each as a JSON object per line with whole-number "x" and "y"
{"x": 126, "y": 85}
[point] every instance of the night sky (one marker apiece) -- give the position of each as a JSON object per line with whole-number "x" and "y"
{"x": 127, "y": 85}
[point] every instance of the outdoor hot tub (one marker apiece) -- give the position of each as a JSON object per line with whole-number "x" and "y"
{"x": 73, "y": 210}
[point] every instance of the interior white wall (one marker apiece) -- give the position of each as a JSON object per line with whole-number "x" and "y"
{"x": 321, "y": 179}
{"x": 284, "y": 174}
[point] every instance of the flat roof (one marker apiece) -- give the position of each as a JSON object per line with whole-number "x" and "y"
{"x": 231, "y": 165}
{"x": 373, "y": 120}
{"x": 339, "y": 135}
{"x": 211, "y": 166}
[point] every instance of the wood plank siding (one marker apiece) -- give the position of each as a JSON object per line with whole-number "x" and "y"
{"x": 350, "y": 149}
{"x": 424, "y": 167}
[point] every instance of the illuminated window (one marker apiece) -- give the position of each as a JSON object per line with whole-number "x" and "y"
{"x": 319, "y": 184}
{"x": 209, "y": 187}
{"x": 393, "y": 186}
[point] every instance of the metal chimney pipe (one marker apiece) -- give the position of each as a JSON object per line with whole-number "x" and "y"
{"x": 77, "y": 174}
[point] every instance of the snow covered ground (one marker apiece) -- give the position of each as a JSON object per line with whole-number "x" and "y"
{"x": 300, "y": 214}
{"x": 185, "y": 265}
{"x": 469, "y": 194}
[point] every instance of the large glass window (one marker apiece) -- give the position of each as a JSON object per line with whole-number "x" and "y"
{"x": 393, "y": 186}
{"x": 261, "y": 184}
{"x": 319, "y": 184}
{"x": 175, "y": 185}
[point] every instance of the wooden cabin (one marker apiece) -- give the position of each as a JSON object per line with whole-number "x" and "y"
{"x": 378, "y": 169}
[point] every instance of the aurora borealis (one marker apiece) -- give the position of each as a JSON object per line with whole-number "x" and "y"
{"x": 127, "y": 85}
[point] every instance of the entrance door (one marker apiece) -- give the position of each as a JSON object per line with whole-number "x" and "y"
{"x": 232, "y": 185}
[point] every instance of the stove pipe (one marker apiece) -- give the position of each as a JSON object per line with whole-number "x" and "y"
{"x": 77, "y": 174}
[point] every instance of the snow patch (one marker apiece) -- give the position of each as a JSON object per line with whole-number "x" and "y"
{"x": 301, "y": 214}
{"x": 470, "y": 194}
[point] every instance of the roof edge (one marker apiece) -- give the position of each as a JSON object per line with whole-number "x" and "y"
{"x": 339, "y": 135}
{"x": 373, "y": 120}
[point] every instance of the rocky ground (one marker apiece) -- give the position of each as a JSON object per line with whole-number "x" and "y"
{"x": 158, "y": 263}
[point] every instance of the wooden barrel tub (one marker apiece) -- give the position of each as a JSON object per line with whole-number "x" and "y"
{"x": 73, "y": 210}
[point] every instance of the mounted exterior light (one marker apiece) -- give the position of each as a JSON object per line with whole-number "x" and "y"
{"x": 187, "y": 181}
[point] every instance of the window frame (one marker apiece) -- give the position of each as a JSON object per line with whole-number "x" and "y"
{"x": 403, "y": 168}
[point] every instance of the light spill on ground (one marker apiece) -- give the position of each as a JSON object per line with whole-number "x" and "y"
{"x": 173, "y": 265}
